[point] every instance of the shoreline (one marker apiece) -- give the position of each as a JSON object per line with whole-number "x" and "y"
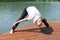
{"x": 32, "y": 32}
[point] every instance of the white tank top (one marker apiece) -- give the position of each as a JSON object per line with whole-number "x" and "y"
{"x": 33, "y": 12}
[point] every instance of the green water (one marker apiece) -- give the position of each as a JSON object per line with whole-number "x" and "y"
{"x": 11, "y": 11}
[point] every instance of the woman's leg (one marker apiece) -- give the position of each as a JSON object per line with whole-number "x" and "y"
{"x": 14, "y": 25}
{"x": 24, "y": 14}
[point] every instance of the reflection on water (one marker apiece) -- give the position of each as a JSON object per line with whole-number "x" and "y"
{"x": 10, "y": 12}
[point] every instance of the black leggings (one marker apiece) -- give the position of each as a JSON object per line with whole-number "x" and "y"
{"x": 24, "y": 14}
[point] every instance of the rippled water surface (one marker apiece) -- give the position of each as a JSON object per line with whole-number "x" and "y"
{"x": 10, "y": 12}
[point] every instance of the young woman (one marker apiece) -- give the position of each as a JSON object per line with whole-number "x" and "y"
{"x": 33, "y": 14}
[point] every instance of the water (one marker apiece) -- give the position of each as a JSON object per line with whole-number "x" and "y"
{"x": 10, "y": 12}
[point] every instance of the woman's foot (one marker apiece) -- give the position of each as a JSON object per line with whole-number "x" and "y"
{"x": 11, "y": 32}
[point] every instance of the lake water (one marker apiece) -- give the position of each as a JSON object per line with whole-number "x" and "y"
{"x": 11, "y": 11}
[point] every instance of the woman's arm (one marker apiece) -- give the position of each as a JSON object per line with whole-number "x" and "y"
{"x": 22, "y": 20}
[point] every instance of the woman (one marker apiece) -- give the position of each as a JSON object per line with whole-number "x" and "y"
{"x": 33, "y": 14}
